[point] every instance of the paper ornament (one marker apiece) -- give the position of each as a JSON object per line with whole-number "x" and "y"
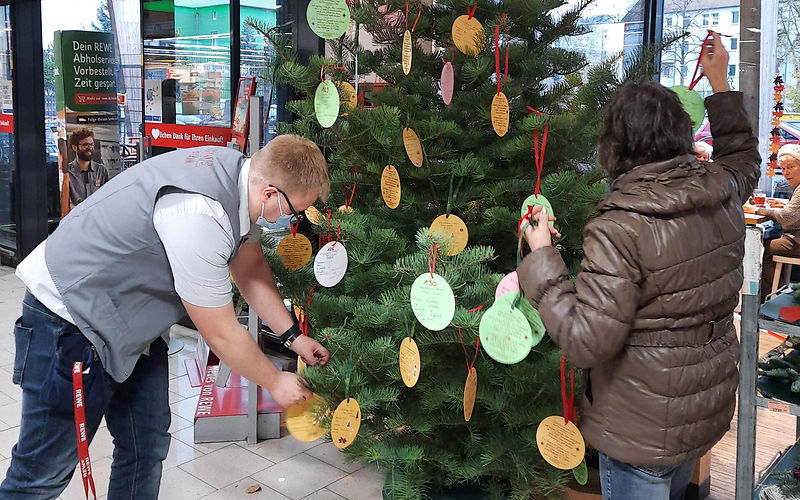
{"x": 560, "y": 443}
{"x": 447, "y": 83}
{"x": 294, "y": 251}
{"x": 468, "y": 35}
{"x": 330, "y": 264}
{"x": 470, "y": 391}
{"x": 329, "y": 19}
{"x": 407, "y": 54}
{"x": 500, "y": 114}
{"x": 692, "y": 103}
{"x": 454, "y": 229}
{"x": 390, "y": 187}
{"x": 432, "y": 301}
{"x": 409, "y": 362}
{"x": 326, "y": 103}
{"x": 413, "y": 146}
{"x": 345, "y": 423}
{"x": 302, "y": 421}
{"x": 505, "y": 332}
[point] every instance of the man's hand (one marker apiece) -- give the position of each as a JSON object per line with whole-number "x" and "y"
{"x": 310, "y": 350}
{"x": 714, "y": 59}
{"x": 288, "y": 390}
{"x": 542, "y": 235}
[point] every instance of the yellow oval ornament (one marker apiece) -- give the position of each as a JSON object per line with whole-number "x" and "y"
{"x": 500, "y": 116}
{"x": 345, "y": 423}
{"x": 347, "y": 97}
{"x": 468, "y": 35}
{"x": 390, "y": 187}
{"x": 470, "y": 390}
{"x": 313, "y": 215}
{"x": 454, "y": 229}
{"x": 413, "y": 146}
{"x": 560, "y": 443}
{"x": 302, "y": 421}
{"x": 294, "y": 251}
{"x": 410, "y": 362}
{"x": 407, "y": 46}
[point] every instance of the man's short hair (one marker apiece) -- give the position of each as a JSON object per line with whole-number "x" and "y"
{"x": 294, "y": 161}
{"x": 80, "y": 135}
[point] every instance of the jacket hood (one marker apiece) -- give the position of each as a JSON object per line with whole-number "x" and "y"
{"x": 668, "y": 187}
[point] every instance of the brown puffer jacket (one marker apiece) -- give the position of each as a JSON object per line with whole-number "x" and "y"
{"x": 650, "y": 314}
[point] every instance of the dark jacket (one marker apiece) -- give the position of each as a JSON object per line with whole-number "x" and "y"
{"x": 650, "y": 314}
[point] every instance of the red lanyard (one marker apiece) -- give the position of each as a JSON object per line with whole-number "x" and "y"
{"x": 307, "y": 312}
{"x": 537, "y": 157}
{"x": 497, "y": 54}
{"x": 348, "y": 202}
{"x": 81, "y": 430}
{"x": 471, "y": 12}
{"x": 434, "y": 250}
{"x": 695, "y": 81}
{"x": 419, "y": 13}
{"x": 470, "y": 366}
{"x": 338, "y": 231}
{"x": 569, "y": 404}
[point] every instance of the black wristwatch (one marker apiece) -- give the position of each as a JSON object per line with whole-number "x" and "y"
{"x": 290, "y": 335}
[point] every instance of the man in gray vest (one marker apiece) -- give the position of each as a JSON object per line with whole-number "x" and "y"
{"x": 155, "y": 242}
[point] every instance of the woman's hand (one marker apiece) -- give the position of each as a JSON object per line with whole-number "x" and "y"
{"x": 542, "y": 235}
{"x": 714, "y": 59}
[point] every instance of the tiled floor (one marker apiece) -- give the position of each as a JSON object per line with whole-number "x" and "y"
{"x": 284, "y": 468}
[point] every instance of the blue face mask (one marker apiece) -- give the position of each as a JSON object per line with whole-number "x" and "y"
{"x": 284, "y": 220}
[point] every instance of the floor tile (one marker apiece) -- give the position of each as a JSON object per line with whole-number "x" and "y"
{"x": 331, "y": 455}
{"x": 12, "y": 413}
{"x": 180, "y": 453}
{"x": 4, "y": 468}
{"x": 366, "y": 484}
{"x": 278, "y": 450}
{"x": 102, "y": 444}
{"x": 181, "y": 385}
{"x": 8, "y": 438}
{"x": 299, "y": 476}
{"x": 187, "y": 436}
{"x": 326, "y": 495}
{"x": 238, "y": 490}
{"x": 179, "y": 423}
{"x": 185, "y": 408}
{"x": 101, "y": 473}
{"x": 225, "y": 466}
{"x": 177, "y": 484}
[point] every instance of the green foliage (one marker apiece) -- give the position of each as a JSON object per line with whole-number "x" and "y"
{"x": 418, "y": 435}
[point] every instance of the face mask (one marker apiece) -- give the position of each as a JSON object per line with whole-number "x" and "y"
{"x": 284, "y": 221}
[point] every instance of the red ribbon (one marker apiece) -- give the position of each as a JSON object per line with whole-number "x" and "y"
{"x": 695, "y": 81}
{"x": 527, "y": 215}
{"x": 348, "y": 202}
{"x": 338, "y": 231}
{"x": 470, "y": 366}
{"x": 569, "y": 404}
{"x": 539, "y": 158}
{"x": 471, "y": 12}
{"x": 476, "y": 309}
{"x": 308, "y": 311}
{"x": 82, "y": 430}
{"x": 452, "y": 56}
{"x": 419, "y": 13}
{"x": 497, "y": 54}
{"x": 294, "y": 227}
{"x": 435, "y": 251}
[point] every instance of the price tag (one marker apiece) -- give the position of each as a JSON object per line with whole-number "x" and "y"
{"x": 294, "y": 251}
{"x": 432, "y": 301}
{"x": 454, "y": 229}
{"x": 447, "y": 82}
{"x": 329, "y": 19}
{"x": 407, "y": 46}
{"x": 777, "y": 406}
{"x": 560, "y": 443}
{"x": 390, "y": 187}
{"x": 326, "y": 103}
{"x": 510, "y": 283}
{"x": 413, "y": 146}
{"x": 330, "y": 264}
{"x": 505, "y": 332}
{"x": 347, "y": 96}
{"x": 500, "y": 117}
{"x": 470, "y": 390}
{"x": 692, "y": 103}
{"x": 313, "y": 215}
{"x": 302, "y": 421}
{"x": 345, "y": 423}
{"x": 468, "y": 35}
{"x": 535, "y": 200}
{"x": 409, "y": 362}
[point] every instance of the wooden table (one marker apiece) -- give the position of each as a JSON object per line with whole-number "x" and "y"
{"x": 753, "y": 219}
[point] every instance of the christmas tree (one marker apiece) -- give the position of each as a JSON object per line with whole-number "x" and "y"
{"x": 419, "y": 434}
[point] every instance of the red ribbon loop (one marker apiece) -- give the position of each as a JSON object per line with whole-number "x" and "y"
{"x": 434, "y": 250}
{"x": 294, "y": 227}
{"x": 476, "y": 309}
{"x": 497, "y": 54}
{"x": 568, "y": 404}
{"x": 348, "y": 202}
{"x": 539, "y": 158}
{"x": 471, "y": 12}
{"x": 470, "y": 366}
{"x": 338, "y": 231}
{"x": 307, "y": 313}
{"x": 419, "y": 13}
{"x": 695, "y": 81}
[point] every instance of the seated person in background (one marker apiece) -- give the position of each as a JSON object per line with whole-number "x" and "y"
{"x": 787, "y": 215}
{"x": 703, "y": 151}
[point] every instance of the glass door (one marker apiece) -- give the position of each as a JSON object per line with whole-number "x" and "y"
{"x": 8, "y": 229}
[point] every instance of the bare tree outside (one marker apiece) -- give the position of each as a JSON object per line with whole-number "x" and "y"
{"x": 789, "y": 51}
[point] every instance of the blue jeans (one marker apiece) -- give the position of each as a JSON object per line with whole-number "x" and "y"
{"x": 621, "y": 481}
{"x": 136, "y": 411}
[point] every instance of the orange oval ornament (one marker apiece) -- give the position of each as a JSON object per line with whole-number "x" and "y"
{"x": 294, "y": 251}
{"x": 454, "y": 228}
{"x": 468, "y": 35}
{"x": 409, "y": 362}
{"x": 345, "y": 423}
{"x": 560, "y": 443}
{"x": 413, "y": 146}
{"x": 470, "y": 390}
{"x": 500, "y": 116}
{"x": 390, "y": 187}
{"x": 347, "y": 97}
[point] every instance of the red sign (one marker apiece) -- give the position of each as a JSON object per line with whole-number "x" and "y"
{"x": 95, "y": 98}
{"x": 121, "y": 98}
{"x": 186, "y": 136}
{"x": 7, "y": 123}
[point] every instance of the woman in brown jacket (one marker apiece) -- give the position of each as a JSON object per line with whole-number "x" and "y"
{"x": 650, "y": 315}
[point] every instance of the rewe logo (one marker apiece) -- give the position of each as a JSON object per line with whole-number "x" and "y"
{"x": 156, "y": 133}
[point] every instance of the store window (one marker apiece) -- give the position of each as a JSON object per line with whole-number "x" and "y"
{"x": 258, "y": 58}
{"x": 187, "y": 66}
{"x": 612, "y": 27}
{"x": 8, "y": 228}
{"x": 698, "y": 18}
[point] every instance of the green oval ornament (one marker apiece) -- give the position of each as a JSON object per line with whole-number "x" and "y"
{"x": 536, "y": 200}
{"x": 581, "y": 473}
{"x": 531, "y": 314}
{"x": 326, "y": 103}
{"x": 505, "y": 332}
{"x": 432, "y": 301}
{"x": 329, "y": 19}
{"x": 692, "y": 103}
